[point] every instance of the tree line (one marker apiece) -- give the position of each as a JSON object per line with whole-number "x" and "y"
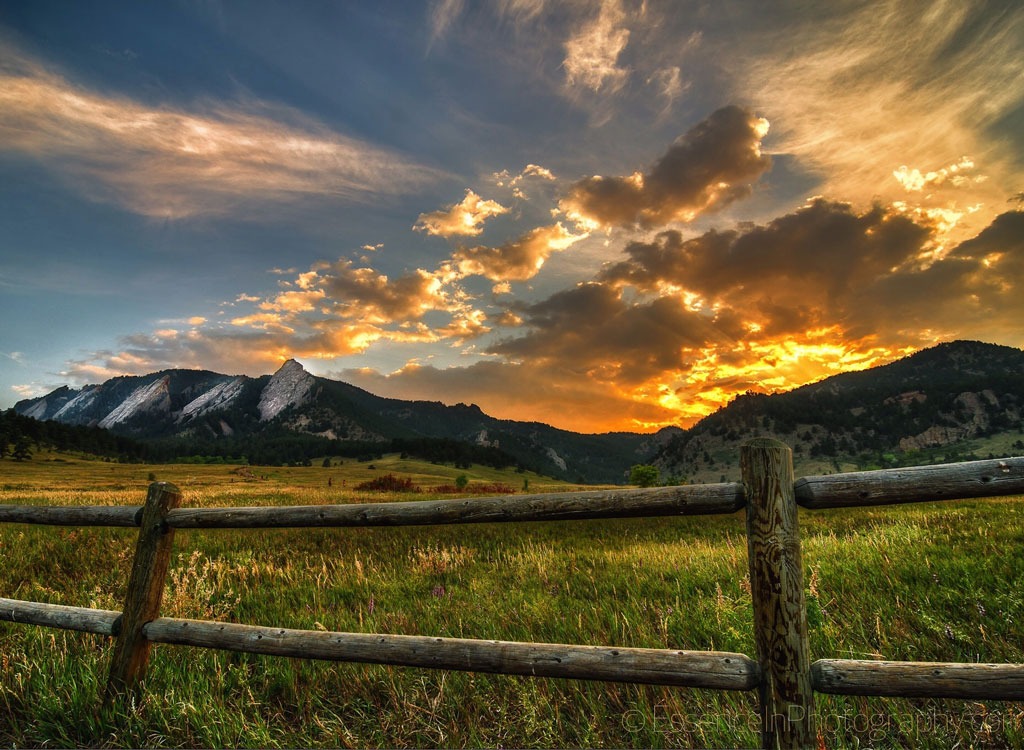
{"x": 21, "y": 437}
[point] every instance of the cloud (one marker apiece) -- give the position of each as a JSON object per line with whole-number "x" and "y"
{"x": 955, "y": 175}
{"x": 885, "y": 85}
{"x": 669, "y": 84}
{"x": 519, "y": 259}
{"x": 31, "y": 390}
{"x": 709, "y": 167}
{"x": 608, "y": 339}
{"x": 533, "y": 172}
{"x": 443, "y": 15}
{"x": 665, "y": 336}
{"x": 824, "y": 249}
{"x": 369, "y": 295}
{"x": 976, "y": 291}
{"x": 690, "y": 323}
{"x": 465, "y": 218}
{"x": 295, "y": 302}
{"x": 170, "y": 162}
{"x": 252, "y": 352}
{"x": 592, "y": 53}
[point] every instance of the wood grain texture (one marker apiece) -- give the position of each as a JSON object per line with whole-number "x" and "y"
{"x": 909, "y": 679}
{"x": 145, "y": 589}
{"x": 707, "y": 669}
{"x": 625, "y": 503}
{"x": 914, "y": 484}
{"x": 99, "y": 621}
{"x": 72, "y": 515}
{"x": 777, "y": 590}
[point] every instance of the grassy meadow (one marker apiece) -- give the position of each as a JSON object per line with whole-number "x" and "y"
{"x": 928, "y": 582}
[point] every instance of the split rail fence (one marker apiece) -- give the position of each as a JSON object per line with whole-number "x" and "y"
{"x": 781, "y": 672}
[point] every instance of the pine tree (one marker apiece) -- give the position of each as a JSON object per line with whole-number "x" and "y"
{"x": 22, "y": 449}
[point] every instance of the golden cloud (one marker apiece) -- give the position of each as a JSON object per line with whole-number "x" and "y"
{"x": 465, "y": 218}
{"x": 709, "y": 167}
{"x": 519, "y": 259}
{"x": 295, "y": 302}
{"x": 372, "y": 296}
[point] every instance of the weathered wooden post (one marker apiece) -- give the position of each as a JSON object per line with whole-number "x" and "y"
{"x": 145, "y": 590}
{"x": 777, "y": 589}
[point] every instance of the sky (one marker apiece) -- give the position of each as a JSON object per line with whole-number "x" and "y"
{"x": 603, "y": 215}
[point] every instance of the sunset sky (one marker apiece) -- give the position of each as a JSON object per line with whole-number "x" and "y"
{"x": 603, "y": 215}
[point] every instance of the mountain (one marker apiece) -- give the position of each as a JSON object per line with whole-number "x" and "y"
{"x": 926, "y": 407}
{"x": 199, "y": 407}
{"x": 937, "y": 404}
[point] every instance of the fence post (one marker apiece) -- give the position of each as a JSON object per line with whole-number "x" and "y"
{"x": 145, "y": 590}
{"x": 777, "y": 589}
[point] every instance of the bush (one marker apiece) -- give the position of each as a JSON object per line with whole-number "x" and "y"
{"x": 643, "y": 475}
{"x": 389, "y": 483}
{"x": 477, "y": 488}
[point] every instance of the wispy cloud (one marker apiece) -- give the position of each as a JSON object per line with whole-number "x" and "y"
{"x": 592, "y": 52}
{"x": 883, "y": 91}
{"x": 172, "y": 162}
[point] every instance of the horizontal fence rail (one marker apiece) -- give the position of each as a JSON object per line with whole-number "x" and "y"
{"x": 917, "y": 679}
{"x": 686, "y": 500}
{"x": 99, "y": 621}
{"x": 782, "y": 674}
{"x": 72, "y": 515}
{"x": 706, "y": 669}
{"x": 914, "y": 484}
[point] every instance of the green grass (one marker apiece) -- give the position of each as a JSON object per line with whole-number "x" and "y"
{"x": 925, "y": 582}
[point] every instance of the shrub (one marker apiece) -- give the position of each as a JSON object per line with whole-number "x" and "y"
{"x": 389, "y": 483}
{"x": 643, "y": 475}
{"x": 477, "y": 488}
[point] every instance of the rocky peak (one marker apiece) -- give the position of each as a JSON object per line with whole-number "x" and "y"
{"x": 291, "y": 385}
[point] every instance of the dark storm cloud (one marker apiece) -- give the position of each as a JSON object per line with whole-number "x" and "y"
{"x": 825, "y": 247}
{"x": 709, "y": 167}
{"x": 595, "y": 331}
{"x": 975, "y": 291}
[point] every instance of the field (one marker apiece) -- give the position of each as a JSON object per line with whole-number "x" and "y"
{"x": 929, "y": 582}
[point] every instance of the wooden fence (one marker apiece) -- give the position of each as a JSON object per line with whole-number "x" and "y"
{"x": 782, "y": 672}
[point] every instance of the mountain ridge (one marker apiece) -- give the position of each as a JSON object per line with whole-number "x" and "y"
{"x": 936, "y": 397}
{"x": 203, "y": 405}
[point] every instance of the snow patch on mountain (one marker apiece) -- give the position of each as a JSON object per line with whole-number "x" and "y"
{"x": 289, "y": 386}
{"x": 218, "y": 397}
{"x": 152, "y": 397}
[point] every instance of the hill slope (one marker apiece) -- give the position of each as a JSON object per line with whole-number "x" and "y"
{"x": 924, "y": 407}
